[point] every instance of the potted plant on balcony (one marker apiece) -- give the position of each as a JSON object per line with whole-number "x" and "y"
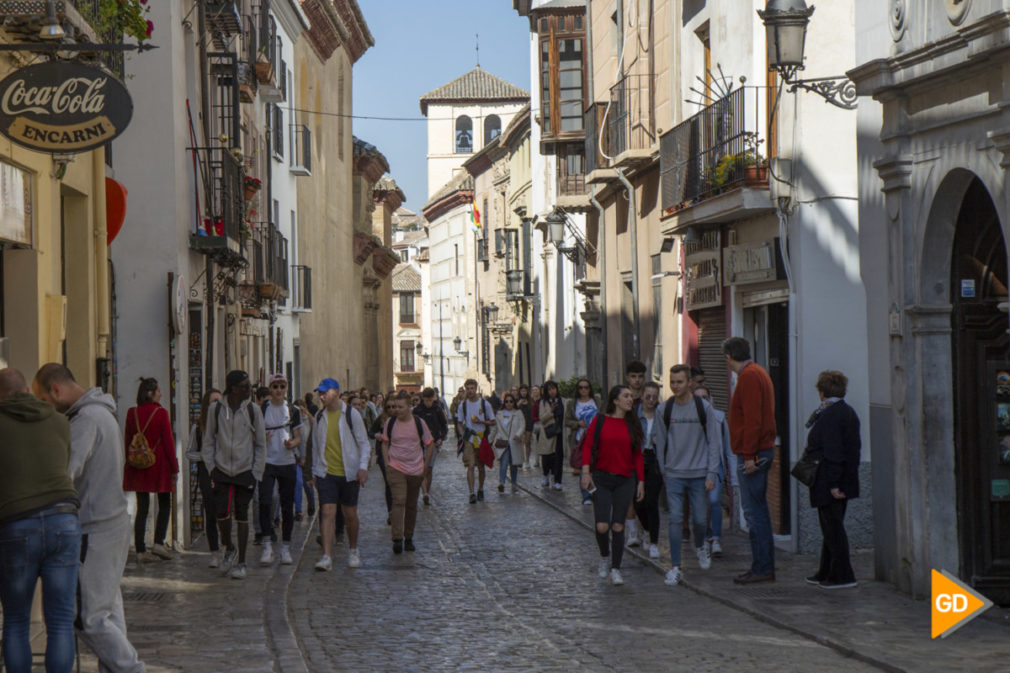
{"x": 126, "y": 16}
{"x": 264, "y": 68}
{"x": 755, "y": 166}
{"x": 252, "y": 186}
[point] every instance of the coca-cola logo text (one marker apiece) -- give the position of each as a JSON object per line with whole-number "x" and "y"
{"x": 74, "y": 96}
{"x": 63, "y": 107}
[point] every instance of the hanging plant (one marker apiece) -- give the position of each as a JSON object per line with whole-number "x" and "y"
{"x": 126, "y": 17}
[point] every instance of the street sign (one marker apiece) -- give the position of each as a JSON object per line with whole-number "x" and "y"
{"x": 63, "y": 108}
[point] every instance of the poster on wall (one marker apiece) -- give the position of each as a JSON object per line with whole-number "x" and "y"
{"x": 1003, "y": 415}
{"x": 15, "y": 204}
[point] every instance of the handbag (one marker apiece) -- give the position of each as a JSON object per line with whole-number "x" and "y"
{"x": 805, "y": 469}
{"x": 485, "y": 453}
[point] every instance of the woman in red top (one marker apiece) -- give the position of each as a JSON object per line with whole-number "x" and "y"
{"x": 152, "y": 419}
{"x": 611, "y": 468}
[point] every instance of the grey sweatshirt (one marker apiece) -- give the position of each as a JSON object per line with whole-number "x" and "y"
{"x": 682, "y": 449}
{"x": 231, "y": 443}
{"x": 96, "y": 460}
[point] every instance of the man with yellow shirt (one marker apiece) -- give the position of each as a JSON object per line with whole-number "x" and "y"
{"x": 338, "y": 464}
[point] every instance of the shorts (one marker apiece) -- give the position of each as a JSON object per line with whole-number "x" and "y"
{"x": 335, "y": 490}
{"x": 232, "y": 495}
{"x": 471, "y": 453}
{"x": 434, "y": 455}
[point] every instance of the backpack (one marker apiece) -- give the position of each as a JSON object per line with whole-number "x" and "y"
{"x": 140, "y": 455}
{"x": 217, "y": 414}
{"x": 699, "y": 406}
{"x": 294, "y": 416}
{"x": 417, "y": 424}
{"x": 597, "y": 433}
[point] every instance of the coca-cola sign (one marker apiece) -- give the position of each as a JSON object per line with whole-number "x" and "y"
{"x": 63, "y": 107}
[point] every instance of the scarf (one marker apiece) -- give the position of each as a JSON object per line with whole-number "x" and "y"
{"x": 820, "y": 410}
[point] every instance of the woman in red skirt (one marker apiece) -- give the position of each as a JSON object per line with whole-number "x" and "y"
{"x": 150, "y": 418}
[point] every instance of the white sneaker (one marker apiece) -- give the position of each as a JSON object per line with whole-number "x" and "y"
{"x": 704, "y": 558}
{"x": 354, "y": 560}
{"x": 557, "y": 486}
{"x": 673, "y": 576}
{"x": 653, "y": 552}
{"x": 286, "y": 556}
{"x": 238, "y": 572}
{"x": 215, "y": 559}
{"x": 715, "y": 547}
{"x": 324, "y": 564}
{"x": 544, "y": 483}
{"x": 604, "y": 567}
{"x": 632, "y": 534}
{"x": 162, "y": 552}
{"x": 615, "y": 577}
{"x": 267, "y": 557}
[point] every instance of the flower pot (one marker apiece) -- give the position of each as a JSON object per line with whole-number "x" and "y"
{"x": 245, "y": 93}
{"x": 264, "y": 72}
{"x": 250, "y": 192}
{"x": 755, "y": 174}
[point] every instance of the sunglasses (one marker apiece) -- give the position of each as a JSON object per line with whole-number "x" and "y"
{"x": 583, "y": 387}
{"x": 509, "y": 399}
{"x": 278, "y": 385}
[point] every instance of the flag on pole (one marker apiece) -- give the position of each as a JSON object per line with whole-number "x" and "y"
{"x": 475, "y": 216}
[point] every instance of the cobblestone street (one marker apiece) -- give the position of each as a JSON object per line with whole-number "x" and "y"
{"x": 510, "y": 585}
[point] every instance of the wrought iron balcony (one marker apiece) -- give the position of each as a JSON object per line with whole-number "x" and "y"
{"x": 630, "y": 130}
{"x": 221, "y": 178}
{"x": 222, "y": 17}
{"x": 715, "y": 150}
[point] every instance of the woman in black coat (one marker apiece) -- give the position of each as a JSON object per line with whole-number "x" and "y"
{"x": 834, "y": 441}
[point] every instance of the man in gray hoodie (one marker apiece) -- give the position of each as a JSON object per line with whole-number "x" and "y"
{"x": 96, "y": 467}
{"x": 688, "y": 445}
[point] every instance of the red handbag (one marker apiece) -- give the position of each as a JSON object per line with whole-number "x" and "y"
{"x": 485, "y": 453}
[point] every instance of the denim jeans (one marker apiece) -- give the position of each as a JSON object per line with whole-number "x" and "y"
{"x": 507, "y": 467}
{"x": 753, "y": 489}
{"x": 694, "y": 487}
{"x": 300, "y": 488}
{"x": 45, "y": 545}
{"x": 715, "y": 505}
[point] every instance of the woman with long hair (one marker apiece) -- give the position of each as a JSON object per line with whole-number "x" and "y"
{"x": 377, "y": 429}
{"x": 523, "y": 407}
{"x": 613, "y": 469}
{"x": 551, "y": 446}
{"x": 579, "y": 413}
{"x": 308, "y": 422}
{"x": 506, "y": 439}
{"x": 151, "y": 420}
{"x": 203, "y": 474}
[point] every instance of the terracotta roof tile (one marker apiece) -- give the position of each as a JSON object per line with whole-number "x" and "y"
{"x": 476, "y": 85}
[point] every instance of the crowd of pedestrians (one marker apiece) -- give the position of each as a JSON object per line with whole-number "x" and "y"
{"x": 66, "y": 466}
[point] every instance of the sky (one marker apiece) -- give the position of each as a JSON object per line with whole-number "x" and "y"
{"x": 419, "y": 46}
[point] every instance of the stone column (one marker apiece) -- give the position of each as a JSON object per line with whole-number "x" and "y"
{"x": 592, "y": 318}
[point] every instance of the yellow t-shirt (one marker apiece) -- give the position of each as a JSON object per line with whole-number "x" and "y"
{"x": 334, "y": 453}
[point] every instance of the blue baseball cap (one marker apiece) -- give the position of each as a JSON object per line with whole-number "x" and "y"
{"x": 327, "y": 384}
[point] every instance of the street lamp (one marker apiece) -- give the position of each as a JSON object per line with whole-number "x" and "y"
{"x": 556, "y": 227}
{"x": 514, "y": 283}
{"x": 492, "y": 313}
{"x": 457, "y": 343}
{"x": 419, "y": 348}
{"x": 786, "y": 33}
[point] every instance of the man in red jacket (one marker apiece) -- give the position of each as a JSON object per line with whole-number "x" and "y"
{"x": 752, "y": 437}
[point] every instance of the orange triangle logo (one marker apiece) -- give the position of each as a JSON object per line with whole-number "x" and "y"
{"x": 954, "y": 604}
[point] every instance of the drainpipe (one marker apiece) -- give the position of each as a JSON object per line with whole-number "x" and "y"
{"x": 101, "y": 254}
{"x": 601, "y": 261}
{"x": 633, "y": 231}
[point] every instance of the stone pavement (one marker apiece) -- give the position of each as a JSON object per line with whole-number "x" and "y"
{"x": 874, "y": 622}
{"x": 510, "y": 585}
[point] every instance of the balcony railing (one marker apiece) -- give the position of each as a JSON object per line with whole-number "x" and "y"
{"x": 629, "y": 120}
{"x": 715, "y": 150}
{"x": 301, "y": 287}
{"x": 223, "y": 17}
{"x": 221, "y": 177}
{"x": 571, "y": 171}
{"x": 482, "y": 249}
{"x": 113, "y": 60}
{"x": 301, "y": 150}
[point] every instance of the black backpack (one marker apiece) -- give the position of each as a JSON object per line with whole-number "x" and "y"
{"x": 217, "y": 414}
{"x": 699, "y": 405}
{"x": 417, "y": 424}
{"x": 294, "y": 416}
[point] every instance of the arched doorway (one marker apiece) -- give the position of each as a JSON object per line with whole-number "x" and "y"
{"x": 981, "y": 393}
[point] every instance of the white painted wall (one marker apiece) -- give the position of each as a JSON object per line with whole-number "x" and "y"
{"x": 448, "y": 290}
{"x": 443, "y": 161}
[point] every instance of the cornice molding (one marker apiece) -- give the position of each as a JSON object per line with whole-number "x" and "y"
{"x": 447, "y": 203}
